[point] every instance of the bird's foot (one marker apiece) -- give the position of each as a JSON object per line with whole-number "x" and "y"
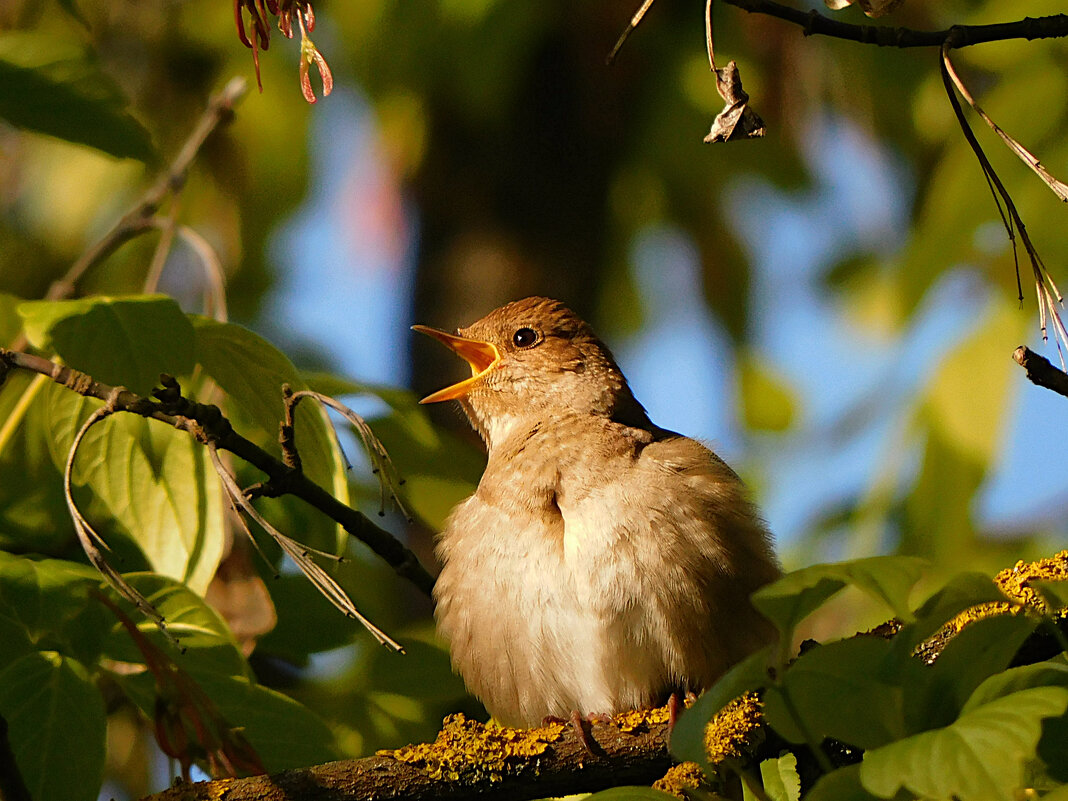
{"x": 580, "y": 724}
{"x": 676, "y": 703}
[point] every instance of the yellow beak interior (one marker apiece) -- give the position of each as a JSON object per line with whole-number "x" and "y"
{"x": 481, "y": 356}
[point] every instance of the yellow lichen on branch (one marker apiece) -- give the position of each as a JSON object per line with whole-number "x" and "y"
{"x": 730, "y": 734}
{"x": 466, "y": 750}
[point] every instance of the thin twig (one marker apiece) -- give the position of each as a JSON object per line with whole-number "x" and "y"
{"x": 382, "y": 465}
{"x": 1048, "y": 296}
{"x": 1060, "y": 189}
{"x": 215, "y": 276}
{"x": 219, "y": 109}
{"x": 322, "y": 580}
{"x": 635, "y": 21}
{"x": 167, "y": 228}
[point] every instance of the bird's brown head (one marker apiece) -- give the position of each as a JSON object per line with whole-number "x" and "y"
{"x": 532, "y": 359}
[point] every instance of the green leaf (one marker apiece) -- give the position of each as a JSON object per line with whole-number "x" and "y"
{"x": 979, "y": 756}
{"x": 422, "y": 672}
{"x": 10, "y": 324}
{"x": 849, "y": 690}
{"x": 14, "y": 635}
{"x": 983, "y": 648}
{"x": 781, "y": 782}
{"x": 840, "y": 785}
{"x": 962, "y": 592}
{"x": 51, "y": 599}
{"x": 56, "y": 724}
{"x": 439, "y": 469}
{"x": 284, "y": 733}
{"x": 792, "y": 598}
{"x": 61, "y": 91}
{"x": 124, "y": 341}
{"x": 155, "y": 481}
{"x": 252, "y": 371}
{"x": 768, "y": 402}
{"x": 33, "y": 512}
{"x": 1054, "y": 593}
{"x": 631, "y": 794}
{"x": 206, "y": 642}
{"x": 1018, "y": 679}
{"x": 688, "y": 737}
{"x": 1053, "y": 746}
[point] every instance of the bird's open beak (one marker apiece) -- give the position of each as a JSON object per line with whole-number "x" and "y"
{"x": 482, "y": 356}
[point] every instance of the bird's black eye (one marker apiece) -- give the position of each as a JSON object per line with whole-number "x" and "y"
{"x": 525, "y": 338}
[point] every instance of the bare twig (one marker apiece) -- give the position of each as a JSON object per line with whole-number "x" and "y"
{"x": 1060, "y": 189}
{"x": 207, "y": 424}
{"x": 1040, "y": 371}
{"x": 215, "y": 276}
{"x": 1048, "y": 295}
{"x": 130, "y": 224}
{"x": 381, "y": 464}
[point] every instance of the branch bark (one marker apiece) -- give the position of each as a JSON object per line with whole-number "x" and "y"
{"x": 815, "y": 24}
{"x": 1040, "y": 371}
{"x": 469, "y": 760}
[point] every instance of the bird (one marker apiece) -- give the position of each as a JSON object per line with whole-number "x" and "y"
{"x": 603, "y": 563}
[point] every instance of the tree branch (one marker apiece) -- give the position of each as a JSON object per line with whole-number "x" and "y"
{"x": 220, "y": 108}
{"x": 1040, "y": 371}
{"x": 208, "y": 424}
{"x": 470, "y": 760}
{"x": 816, "y": 24}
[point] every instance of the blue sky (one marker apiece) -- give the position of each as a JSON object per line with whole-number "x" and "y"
{"x": 345, "y": 264}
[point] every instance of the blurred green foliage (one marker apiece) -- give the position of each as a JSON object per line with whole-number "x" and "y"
{"x": 533, "y": 168}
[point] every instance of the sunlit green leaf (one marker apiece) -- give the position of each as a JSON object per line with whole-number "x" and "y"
{"x": 888, "y": 579}
{"x": 840, "y": 785}
{"x": 982, "y": 649}
{"x": 768, "y": 402}
{"x": 779, "y": 774}
{"x": 124, "y": 341}
{"x": 981, "y": 755}
{"x": 963, "y": 591}
{"x": 33, "y": 513}
{"x": 630, "y": 794}
{"x": 58, "y": 90}
{"x": 157, "y": 483}
{"x": 284, "y": 733}
{"x": 56, "y": 725}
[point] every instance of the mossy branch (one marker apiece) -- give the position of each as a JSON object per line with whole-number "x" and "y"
{"x": 470, "y": 760}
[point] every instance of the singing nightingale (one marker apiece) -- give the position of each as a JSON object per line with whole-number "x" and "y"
{"x": 603, "y": 563}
